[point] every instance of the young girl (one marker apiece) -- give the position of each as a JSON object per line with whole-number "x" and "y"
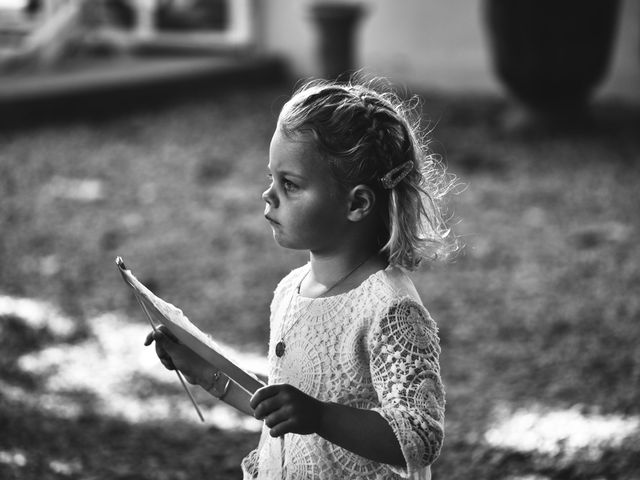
{"x": 354, "y": 388}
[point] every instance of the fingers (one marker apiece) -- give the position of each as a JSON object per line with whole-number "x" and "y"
{"x": 160, "y": 332}
{"x": 262, "y": 394}
{"x": 175, "y": 356}
{"x": 267, "y": 407}
{"x": 162, "y": 340}
{"x": 280, "y": 428}
{"x": 285, "y": 409}
{"x": 165, "y": 360}
{"x": 276, "y": 413}
{"x": 274, "y": 405}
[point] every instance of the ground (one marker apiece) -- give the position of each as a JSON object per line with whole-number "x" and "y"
{"x": 538, "y": 313}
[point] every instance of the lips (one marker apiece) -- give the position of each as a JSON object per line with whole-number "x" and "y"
{"x": 271, "y": 220}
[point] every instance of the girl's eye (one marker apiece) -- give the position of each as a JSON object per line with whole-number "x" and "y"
{"x": 289, "y": 187}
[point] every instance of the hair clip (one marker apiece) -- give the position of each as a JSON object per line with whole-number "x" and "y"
{"x": 394, "y": 176}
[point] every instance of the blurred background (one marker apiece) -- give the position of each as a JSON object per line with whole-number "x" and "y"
{"x": 141, "y": 128}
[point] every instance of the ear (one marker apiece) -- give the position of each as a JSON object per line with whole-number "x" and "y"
{"x": 362, "y": 201}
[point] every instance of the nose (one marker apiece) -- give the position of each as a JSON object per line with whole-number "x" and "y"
{"x": 270, "y": 197}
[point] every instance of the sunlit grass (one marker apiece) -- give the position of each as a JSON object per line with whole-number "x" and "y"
{"x": 112, "y": 368}
{"x": 560, "y": 432}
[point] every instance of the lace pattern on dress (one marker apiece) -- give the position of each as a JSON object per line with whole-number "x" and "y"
{"x": 406, "y": 374}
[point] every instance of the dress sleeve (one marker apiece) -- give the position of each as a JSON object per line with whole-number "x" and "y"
{"x": 404, "y": 361}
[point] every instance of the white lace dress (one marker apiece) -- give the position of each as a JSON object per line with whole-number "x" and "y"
{"x": 374, "y": 347}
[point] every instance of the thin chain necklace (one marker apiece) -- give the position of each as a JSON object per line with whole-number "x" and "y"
{"x": 281, "y": 346}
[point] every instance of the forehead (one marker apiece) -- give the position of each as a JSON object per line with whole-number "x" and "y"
{"x": 297, "y": 154}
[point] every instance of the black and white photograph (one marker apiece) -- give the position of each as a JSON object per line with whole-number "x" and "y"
{"x": 319, "y": 239}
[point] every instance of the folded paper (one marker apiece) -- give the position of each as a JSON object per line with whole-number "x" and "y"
{"x": 162, "y": 312}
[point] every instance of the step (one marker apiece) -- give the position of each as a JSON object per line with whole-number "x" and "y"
{"x": 132, "y": 73}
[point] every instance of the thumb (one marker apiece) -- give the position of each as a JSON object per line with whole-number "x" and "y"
{"x": 149, "y": 339}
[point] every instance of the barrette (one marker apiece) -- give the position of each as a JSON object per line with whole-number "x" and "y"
{"x": 394, "y": 176}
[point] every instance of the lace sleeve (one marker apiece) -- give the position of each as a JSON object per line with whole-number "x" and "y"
{"x": 405, "y": 371}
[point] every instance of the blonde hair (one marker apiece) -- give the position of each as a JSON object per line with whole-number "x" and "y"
{"x": 364, "y": 134}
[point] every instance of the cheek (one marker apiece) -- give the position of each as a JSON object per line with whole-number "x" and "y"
{"x": 320, "y": 218}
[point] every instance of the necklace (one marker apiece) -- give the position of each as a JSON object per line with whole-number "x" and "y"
{"x": 281, "y": 346}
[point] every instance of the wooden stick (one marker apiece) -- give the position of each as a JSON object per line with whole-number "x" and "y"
{"x": 184, "y": 385}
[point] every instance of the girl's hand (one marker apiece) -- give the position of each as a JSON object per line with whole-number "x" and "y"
{"x": 174, "y": 355}
{"x": 163, "y": 355}
{"x": 285, "y": 409}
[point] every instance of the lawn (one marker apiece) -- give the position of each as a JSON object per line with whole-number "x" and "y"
{"x": 538, "y": 314}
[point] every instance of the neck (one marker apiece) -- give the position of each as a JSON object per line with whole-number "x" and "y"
{"x": 339, "y": 272}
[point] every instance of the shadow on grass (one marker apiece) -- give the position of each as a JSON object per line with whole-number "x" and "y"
{"x": 37, "y": 445}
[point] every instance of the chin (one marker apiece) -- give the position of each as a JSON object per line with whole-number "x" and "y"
{"x": 284, "y": 244}
{"x": 288, "y": 243}
{"x": 280, "y": 240}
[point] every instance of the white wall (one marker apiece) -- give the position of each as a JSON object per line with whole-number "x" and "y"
{"x": 436, "y": 44}
{"x": 624, "y": 75}
{"x": 439, "y": 43}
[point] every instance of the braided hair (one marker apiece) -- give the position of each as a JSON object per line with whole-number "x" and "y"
{"x": 372, "y": 138}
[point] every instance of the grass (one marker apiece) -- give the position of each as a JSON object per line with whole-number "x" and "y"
{"x": 538, "y": 314}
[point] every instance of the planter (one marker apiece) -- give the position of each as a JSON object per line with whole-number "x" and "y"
{"x": 336, "y": 24}
{"x": 551, "y": 54}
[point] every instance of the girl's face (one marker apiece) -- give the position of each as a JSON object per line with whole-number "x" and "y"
{"x": 305, "y": 206}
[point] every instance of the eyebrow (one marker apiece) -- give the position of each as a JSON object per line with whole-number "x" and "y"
{"x": 288, "y": 173}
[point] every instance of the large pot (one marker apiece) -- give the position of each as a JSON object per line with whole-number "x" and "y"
{"x": 336, "y": 26}
{"x": 551, "y": 54}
